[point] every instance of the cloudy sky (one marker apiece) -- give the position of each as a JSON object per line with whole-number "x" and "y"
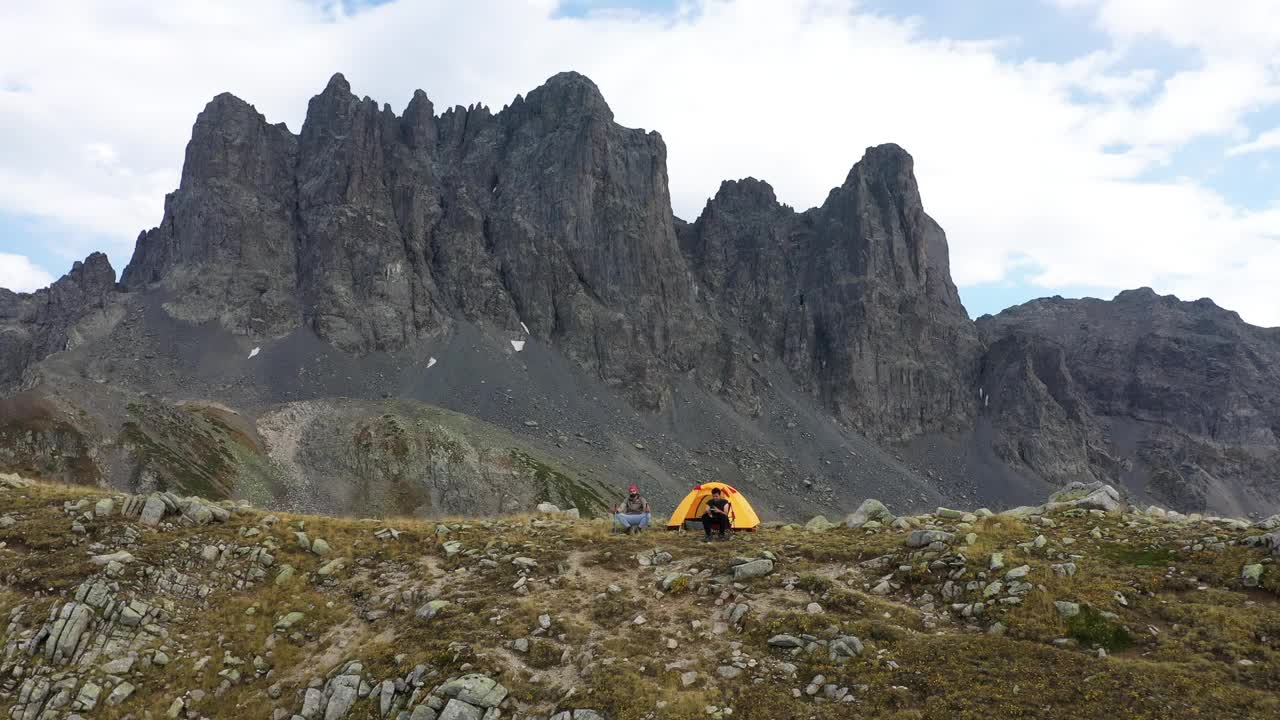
{"x": 1072, "y": 147}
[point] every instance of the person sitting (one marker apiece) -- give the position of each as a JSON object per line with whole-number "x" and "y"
{"x": 632, "y": 514}
{"x": 717, "y": 515}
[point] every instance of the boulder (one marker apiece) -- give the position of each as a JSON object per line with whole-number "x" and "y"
{"x": 287, "y": 622}
{"x": 153, "y": 511}
{"x": 843, "y": 648}
{"x": 475, "y": 689}
{"x": 785, "y": 641}
{"x": 1088, "y": 496}
{"x": 104, "y": 507}
{"x": 1269, "y": 523}
{"x": 925, "y": 538}
{"x": 123, "y": 557}
{"x": 869, "y": 510}
{"x": 122, "y": 692}
{"x": 1251, "y": 575}
{"x": 431, "y": 609}
{"x": 753, "y": 569}
{"x": 343, "y": 692}
{"x": 819, "y": 524}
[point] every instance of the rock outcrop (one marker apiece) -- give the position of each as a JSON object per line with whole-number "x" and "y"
{"x": 1175, "y": 400}
{"x": 72, "y": 310}
{"x": 375, "y": 230}
{"x": 811, "y": 357}
{"x": 855, "y": 297}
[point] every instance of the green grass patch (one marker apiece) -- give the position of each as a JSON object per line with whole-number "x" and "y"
{"x": 1142, "y": 557}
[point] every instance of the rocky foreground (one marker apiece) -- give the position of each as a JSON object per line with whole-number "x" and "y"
{"x": 114, "y": 606}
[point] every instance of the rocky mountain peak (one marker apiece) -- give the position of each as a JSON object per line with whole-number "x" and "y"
{"x": 568, "y": 94}
{"x": 337, "y": 85}
{"x": 887, "y": 162}
{"x": 747, "y": 192}
{"x": 94, "y": 277}
{"x": 418, "y": 126}
{"x": 33, "y": 325}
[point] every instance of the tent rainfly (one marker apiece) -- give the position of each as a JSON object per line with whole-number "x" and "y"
{"x": 691, "y": 509}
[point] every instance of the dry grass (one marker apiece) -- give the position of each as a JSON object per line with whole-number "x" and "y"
{"x": 1188, "y": 667}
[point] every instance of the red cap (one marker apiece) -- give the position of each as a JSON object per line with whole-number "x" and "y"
{"x": 633, "y": 489}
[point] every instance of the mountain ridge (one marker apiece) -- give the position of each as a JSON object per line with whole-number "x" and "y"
{"x": 818, "y": 356}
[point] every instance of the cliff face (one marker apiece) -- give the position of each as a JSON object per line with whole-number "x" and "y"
{"x": 855, "y": 296}
{"x": 35, "y": 325}
{"x": 357, "y": 251}
{"x": 375, "y": 230}
{"x": 1178, "y": 398}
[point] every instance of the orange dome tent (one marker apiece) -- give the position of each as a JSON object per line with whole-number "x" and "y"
{"x": 741, "y": 515}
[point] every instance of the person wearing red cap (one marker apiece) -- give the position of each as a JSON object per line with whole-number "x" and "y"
{"x": 632, "y": 514}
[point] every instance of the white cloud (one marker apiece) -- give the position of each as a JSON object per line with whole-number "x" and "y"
{"x": 1269, "y": 140}
{"x": 1016, "y": 160}
{"x": 17, "y": 273}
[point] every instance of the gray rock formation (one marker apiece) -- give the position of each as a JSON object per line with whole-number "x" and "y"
{"x": 376, "y": 230}
{"x": 1176, "y": 401}
{"x": 57, "y": 318}
{"x": 854, "y": 296}
{"x": 813, "y": 358}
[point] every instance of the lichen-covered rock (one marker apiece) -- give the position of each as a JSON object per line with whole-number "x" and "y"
{"x": 753, "y": 569}
{"x": 475, "y": 689}
{"x": 870, "y": 510}
{"x": 925, "y": 538}
{"x": 819, "y": 524}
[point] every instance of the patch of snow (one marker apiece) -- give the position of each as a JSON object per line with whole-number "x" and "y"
{"x": 518, "y": 345}
{"x": 254, "y": 353}
{"x": 526, "y": 328}
{"x": 431, "y": 362}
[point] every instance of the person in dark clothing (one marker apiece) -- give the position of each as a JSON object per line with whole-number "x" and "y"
{"x": 717, "y": 515}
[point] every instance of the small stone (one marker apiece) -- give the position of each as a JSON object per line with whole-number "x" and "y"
{"x": 1018, "y": 573}
{"x": 122, "y": 557}
{"x": 122, "y": 692}
{"x": 287, "y": 622}
{"x": 819, "y": 524}
{"x": 785, "y": 641}
{"x": 320, "y": 547}
{"x": 431, "y": 609}
{"x": 753, "y": 569}
{"x": 285, "y": 575}
{"x": 120, "y": 666}
{"x": 152, "y": 513}
{"x": 1067, "y": 609}
{"x": 925, "y": 538}
{"x": 1251, "y": 575}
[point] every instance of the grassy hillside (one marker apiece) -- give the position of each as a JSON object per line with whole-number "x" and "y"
{"x": 1071, "y": 614}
